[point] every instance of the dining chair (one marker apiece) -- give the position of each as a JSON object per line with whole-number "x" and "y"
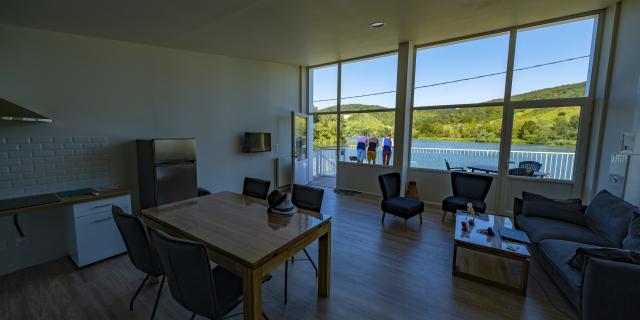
{"x": 256, "y": 188}
{"x": 140, "y": 251}
{"x": 467, "y": 188}
{"x": 450, "y": 168}
{"x": 308, "y": 198}
{"x": 533, "y": 165}
{"x": 520, "y": 172}
{"x": 395, "y": 205}
{"x": 211, "y": 293}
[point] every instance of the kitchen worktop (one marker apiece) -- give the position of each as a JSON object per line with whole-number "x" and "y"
{"x": 65, "y": 201}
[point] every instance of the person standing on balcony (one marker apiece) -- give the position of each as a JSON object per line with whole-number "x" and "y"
{"x": 361, "y": 147}
{"x": 371, "y": 150}
{"x": 387, "y": 144}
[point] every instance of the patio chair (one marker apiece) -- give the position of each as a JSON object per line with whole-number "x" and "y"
{"x": 533, "y": 165}
{"x": 450, "y": 168}
{"x": 467, "y": 188}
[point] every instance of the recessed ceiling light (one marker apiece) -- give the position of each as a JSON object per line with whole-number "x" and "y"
{"x": 376, "y": 24}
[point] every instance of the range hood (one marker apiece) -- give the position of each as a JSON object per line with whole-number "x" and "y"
{"x": 12, "y": 111}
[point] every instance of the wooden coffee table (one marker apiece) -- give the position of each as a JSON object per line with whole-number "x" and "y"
{"x": 490, "y": 254}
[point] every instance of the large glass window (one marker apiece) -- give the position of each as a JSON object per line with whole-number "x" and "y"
{"x": 369, "y": 84}
{"x": 367, "y": 90}
{"x": 552, "y": 61}
{"x": 323, "y": 84}
{"x": 368, "y": 137}
{"x": 459, "y": 101}
{"x": 458, "y": 137}
{"x": 464, "y": 72}
{"x": 543, "y": 142}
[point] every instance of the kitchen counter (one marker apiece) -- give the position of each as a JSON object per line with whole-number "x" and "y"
{"x": 66, "y": 201}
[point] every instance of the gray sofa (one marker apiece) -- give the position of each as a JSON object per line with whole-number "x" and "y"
{"x": 603, "y": 288}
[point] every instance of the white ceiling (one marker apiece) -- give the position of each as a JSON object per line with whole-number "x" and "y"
{"x": 302, "y": 32}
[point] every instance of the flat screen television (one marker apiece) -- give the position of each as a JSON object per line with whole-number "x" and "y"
{"x": 256, "y": 142}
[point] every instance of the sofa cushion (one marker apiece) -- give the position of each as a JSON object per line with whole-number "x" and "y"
{"x": 632, "y": 241}
{"x": 561, "y": 252}
{"x": 611, "y": 254}
{"x": 540, "y": 229}
{"x": 403, "y": 207}
{"x": 609, "y": 216}
{"x": 569, "y": 210}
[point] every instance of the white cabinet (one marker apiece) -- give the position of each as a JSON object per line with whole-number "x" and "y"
{"x": 92, "y": 233}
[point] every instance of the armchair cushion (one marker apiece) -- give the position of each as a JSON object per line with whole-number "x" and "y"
{"x": 632, "y": 241}
{"x": 569, "y": 210}
{"x": 609, "y": 216}
{"x": 540, "y": 229}
{"x": 453, "y": 203}
{"x": 611, "y": 254}
{"x": 403, "y": 207}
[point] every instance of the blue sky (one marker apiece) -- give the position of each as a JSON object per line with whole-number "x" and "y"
{"x": 465, "y": 60}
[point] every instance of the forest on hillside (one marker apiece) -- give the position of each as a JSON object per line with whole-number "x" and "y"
{"x": 554, "y": 126}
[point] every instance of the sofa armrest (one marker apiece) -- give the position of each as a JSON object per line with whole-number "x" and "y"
{"x": 609, "y": 289}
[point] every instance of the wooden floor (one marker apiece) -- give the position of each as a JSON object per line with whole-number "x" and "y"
{"x": 377, "y": 273}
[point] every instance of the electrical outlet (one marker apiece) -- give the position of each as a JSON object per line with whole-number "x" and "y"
{"x": 23, "y": 241}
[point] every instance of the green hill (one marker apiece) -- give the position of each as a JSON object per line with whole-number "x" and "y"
{"x": 542, "y": 126}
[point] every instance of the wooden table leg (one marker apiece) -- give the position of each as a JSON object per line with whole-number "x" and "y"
{"x": 324, "y": 263}
{"x": 454, "y": 268}
{"x": 252, "y": 292}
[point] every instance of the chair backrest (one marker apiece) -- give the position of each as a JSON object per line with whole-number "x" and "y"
{"x": 468, "y": 185}
{"x": 520, "y": 172}
{"x": 256, "y": 188}
{"x": 188, "y": 273}
{"x": 533, "y": 165}
{"x": 136, "y": 239}
{"x": 390, "y": 185}
{"x": 446, "y": 163}
{"x": 306, "y": 197}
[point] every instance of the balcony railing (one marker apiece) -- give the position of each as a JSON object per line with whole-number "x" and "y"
{"x": 557, "y": 165}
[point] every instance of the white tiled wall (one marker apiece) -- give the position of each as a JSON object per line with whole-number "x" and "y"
{"x": 32, "y": 165}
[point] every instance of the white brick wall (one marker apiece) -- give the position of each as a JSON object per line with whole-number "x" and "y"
{"x": 32, "y": 165}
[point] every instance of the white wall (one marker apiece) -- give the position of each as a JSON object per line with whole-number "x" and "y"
{"x": 624, "y": 91}
{"x": 125, "y": 91}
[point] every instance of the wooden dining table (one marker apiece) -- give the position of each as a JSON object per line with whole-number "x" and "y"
{"x": 242, "y": 237}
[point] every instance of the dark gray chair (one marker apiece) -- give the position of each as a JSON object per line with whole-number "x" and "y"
{"x": 395, "y": 205}
{"x": 467, "y": 188}
{"x": 450, "y": 168}
{"x": 533, "y": 165}
{"x": 142, "y": 255}
{"x": 256, "y": 188}
{"x": 192, "y": 283}
{"x": 308, "y": 198}
{"x": 520, "y": 172}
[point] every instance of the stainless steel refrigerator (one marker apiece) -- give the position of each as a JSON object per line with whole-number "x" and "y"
{"x": 166, "y": 171}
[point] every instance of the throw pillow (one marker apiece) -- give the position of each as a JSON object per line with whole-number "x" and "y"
{"x": 611, "y": 254}
{"x": 609, "y": 217}
{"x": 569, "y": 210}
{"x": 632, "y": 241}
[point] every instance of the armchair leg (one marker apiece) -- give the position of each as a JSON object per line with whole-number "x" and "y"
{"x": 444, "y": 214}
{"x": 383, "y": 213}
{"x": 420, "y": 218}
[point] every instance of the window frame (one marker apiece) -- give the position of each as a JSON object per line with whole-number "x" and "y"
{"x": 586, "y": 103}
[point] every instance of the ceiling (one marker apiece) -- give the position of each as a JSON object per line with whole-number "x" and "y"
{"x": 301, "y": 32}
